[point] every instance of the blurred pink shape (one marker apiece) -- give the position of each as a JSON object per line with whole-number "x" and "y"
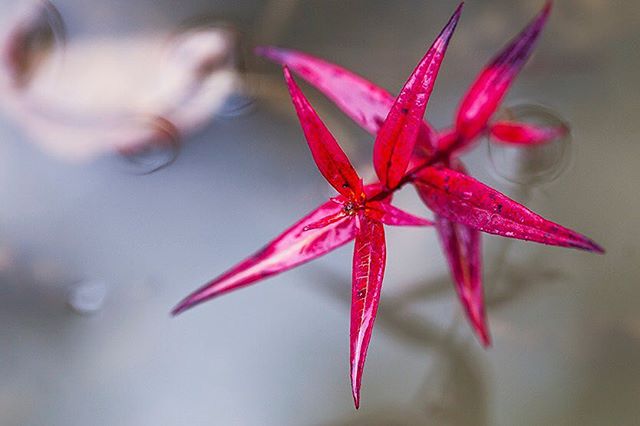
{"x": 118, "y": 94}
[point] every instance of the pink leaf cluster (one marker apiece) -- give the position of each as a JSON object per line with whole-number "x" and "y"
{"x": 407, "y": 150}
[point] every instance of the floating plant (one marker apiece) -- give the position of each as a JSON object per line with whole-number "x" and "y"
{"x": 407, "y": 150}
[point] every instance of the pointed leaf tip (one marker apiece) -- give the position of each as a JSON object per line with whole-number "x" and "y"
{"x": 361, "y": 100}
{"x": 331, "y": 160}
{"x": 458, "y": 11}
{"x": 395, "y": 142}
{"x": 368, "y": 271}
{"x": 487, "y": 91}
{"x": 465, "y": 200}
{"x": 291, "y": 248}
{"x": 462, "y": 247}
{"x": 485, "y": 338}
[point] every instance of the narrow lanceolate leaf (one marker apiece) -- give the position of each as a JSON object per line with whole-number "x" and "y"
{"x": 331, "y": 160}
{"x": 361, "y": 100}
{"x": 368, "y": 270}
{"x": 393, "y": 216}
{"x": 525, "y": 134}
{"x": 486, "y": 93}
{"x": 326, "y": 221}
{"x": 292, "y": 248}
{"x": 397, "y": 137}
{"x": 462, "y": 247}
{"x": 465, "y": 200}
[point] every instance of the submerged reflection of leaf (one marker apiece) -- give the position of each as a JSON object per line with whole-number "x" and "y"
{"x": 459, "y": 383}
{"x": 453, "y": 391}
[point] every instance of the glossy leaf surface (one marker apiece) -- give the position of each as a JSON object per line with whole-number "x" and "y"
{"x": 397, "y": 137}
{"x": 368, "y": 271}
{"x": 462, "y": 247}
{"x": 326, "y": 221}
{"x": 465, "y": 200}
{"x": 462, "y": 205}
{"x": 292, "y": 248}
{"x": 393, "y": 216}
{"x": 486, "y": 93}
{"x": 361, "y": 100}
{"x": 331, "y": 160}
{"x": 445, "y": 139}
{"x": 525, "y": 134}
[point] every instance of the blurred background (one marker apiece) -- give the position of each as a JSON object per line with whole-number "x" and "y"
{"x": 144, "y": 150}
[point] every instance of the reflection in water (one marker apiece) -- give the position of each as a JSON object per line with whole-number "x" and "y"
{"x": 62, "y": 369}
{"x": 454, "y": 390}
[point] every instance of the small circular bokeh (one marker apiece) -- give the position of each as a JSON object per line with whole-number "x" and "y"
{"x": 531, "y": 165}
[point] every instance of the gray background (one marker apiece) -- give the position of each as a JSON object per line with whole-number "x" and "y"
{"x": 566, "y": 324}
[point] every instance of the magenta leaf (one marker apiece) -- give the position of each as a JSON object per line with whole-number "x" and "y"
{"x": 393, "y": 216}
{"x": 445, "y": 139}
{"x": 486, "y": 93}
{"x": 331, "y": 160}
{"x": 368, "y": 271}
{"x": 326, "y": 221}
{"x": 376, "y": 190}
{"x": 525, "y": 134}
{"x": 462, "y": 247}
{"x": 362, "y": 101}
{"x": 397, "y": 137}
{"x": 292, "y": 248}
{"x": 462, "y": 205}
{"x": 465, "y": 200}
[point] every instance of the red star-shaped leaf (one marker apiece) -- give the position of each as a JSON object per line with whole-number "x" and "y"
{"x": 462, "y": 205}
{"x": 486, "y": 92}
{"x": 396, "y": 139}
